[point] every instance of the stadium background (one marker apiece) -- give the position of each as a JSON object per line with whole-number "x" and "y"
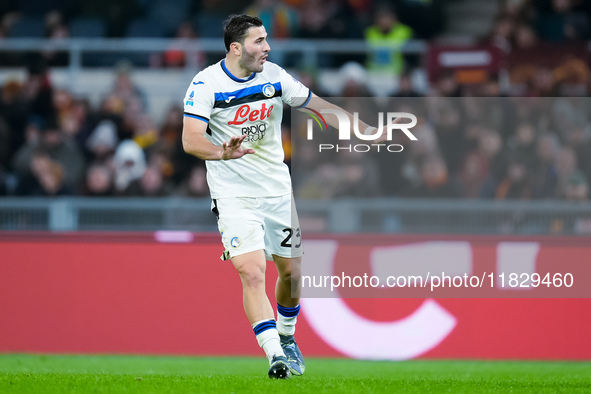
{"x": 106, "y": 240}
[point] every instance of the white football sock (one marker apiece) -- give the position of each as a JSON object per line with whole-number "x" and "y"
{"x": 286, "y": 325}
{"x": 269, "y": 339}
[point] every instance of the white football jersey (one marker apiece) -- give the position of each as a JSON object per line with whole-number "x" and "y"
{"x": 253, "y": 106}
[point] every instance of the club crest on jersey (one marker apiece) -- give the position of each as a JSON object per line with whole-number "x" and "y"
{"x": 268, "y": 90}
{"x": 235, "y": 242}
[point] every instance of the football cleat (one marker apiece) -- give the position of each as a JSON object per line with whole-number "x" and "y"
{"x": 297, "y": 366}
{"x": 279, "y": 368}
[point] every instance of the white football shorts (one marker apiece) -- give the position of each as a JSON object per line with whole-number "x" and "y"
{"x": 270, "y": 223}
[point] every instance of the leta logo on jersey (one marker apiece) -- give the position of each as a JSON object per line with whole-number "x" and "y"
{"x": 244, "y": 113}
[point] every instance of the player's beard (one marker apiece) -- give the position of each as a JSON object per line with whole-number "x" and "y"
{"x": 250, "y": 62}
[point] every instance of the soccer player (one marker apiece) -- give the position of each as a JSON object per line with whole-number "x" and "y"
{"x": 233, "y": 112}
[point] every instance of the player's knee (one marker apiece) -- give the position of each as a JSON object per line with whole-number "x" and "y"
{"x": 252, "y": 276}
{"x": 290, "y": 275}
{"x": 285, "y": 275}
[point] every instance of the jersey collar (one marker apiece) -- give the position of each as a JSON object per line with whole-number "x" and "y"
{"x": 228, "y": 73}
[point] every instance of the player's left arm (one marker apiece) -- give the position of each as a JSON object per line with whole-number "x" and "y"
{"x": 294, "y": 93}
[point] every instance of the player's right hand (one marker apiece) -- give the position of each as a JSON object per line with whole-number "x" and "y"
{"x": 234, "y": 149}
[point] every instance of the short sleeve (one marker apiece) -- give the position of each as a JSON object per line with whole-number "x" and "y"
{"x": 198, "y": 101}
{"x": 293, "y": 92}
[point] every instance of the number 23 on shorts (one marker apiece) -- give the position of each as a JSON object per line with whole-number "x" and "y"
{"x": 287, "y": 242}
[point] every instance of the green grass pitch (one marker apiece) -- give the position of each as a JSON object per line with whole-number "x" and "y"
{"x": 157, "y": 374}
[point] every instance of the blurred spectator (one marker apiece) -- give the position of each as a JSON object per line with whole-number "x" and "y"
{"x": 130, "y": 103}
{"x": 130, "y": 165}
{"x": 436, "y": 181}
{"x": 320, "y": 183}
{"x": 355, "y": 174}
{"x": 131, "y": 119}
{"x": 123, "y": 86}
{"x": 145, "y": 132}
{"x": 546, "y": 172}
{"x": 561, "y": 21}
{"x": 425, "y": 17}
{"x": 57, "y": 31}
{"x": 525, "y": 37}
{"x": 385, "y": 37}
{"x": 99, "y": 181}
{"x": 195, "y": 185}
{"x": 517, "y": 9}
{"x": 102, "y": 141}
{"x": 577, "y": 191}
{"x": 177, "y": 165}
{"x": 474, "y": 174}
{"x": 502, "y": 34}
{"x": 489, "y": 149}
{"x": 117, "y": 13}
{"x": 45, "y": 178}
{"x": 543, "y": 83}
{"x": 14, "y": 111}
{"x": 359, "y": 175}
{"x": 328, "y": 19}
{"x": 566, "y": 166}
{"x": 491, "y": 88}
{"x": 577, "y": 187}
{"x": 58, "y": 147}
{"x": 37, "y": 90}
{"x": 446, "y": 85}
{"x": 151, "y": 184}
{"x": 333, "y": 19}
{"x": 405, "y": 86}
{"x": 425, "y": 146}
{"x": 279, "y": 18}
{"x": 160, "y": 160}
{"x": 354, "y": 79}
{"x": 522, "y": 144}
{"x": 175, "y": 57}
{"x": 580, "y": 141}
{"x": 315, "y": 18}
{"x": 172, "y": 128}
{"x": 449, "y": 124}
{"x": 516, "y": 185}
{"x": 63, "y": 104}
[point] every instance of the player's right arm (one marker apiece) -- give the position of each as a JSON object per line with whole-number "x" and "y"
{"x": 195, "y": 143}
{"x": 199, "y": 101}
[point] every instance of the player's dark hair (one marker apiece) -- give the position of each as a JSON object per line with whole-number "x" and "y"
{"x": 236, "y": 28}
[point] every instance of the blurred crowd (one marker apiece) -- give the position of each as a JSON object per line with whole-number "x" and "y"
{"x": 54, "y": 143}
{"x": 523, "y": 24}
{"x": 379, "y": 22}
{"x": 284, "y": 19}
{"x": 503, "y": 148}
